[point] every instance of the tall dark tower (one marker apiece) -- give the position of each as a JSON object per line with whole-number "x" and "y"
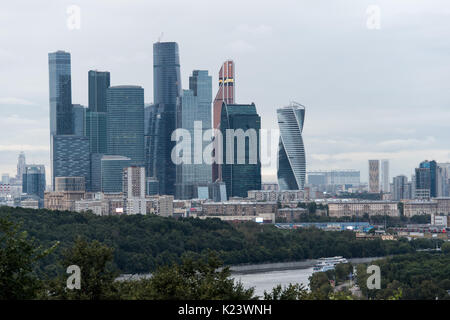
{"x": 167, "y": 96}
{"x": 241, "y": 168}
{"x": 60, "y": 91}
{"x": 61, "y": 117}
{"x": 99, "y": 82}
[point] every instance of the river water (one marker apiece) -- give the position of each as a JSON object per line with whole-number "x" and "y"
{"x": 265, "y": 281}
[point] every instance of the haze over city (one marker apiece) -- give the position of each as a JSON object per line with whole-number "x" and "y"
{"x": 369, "y": 93}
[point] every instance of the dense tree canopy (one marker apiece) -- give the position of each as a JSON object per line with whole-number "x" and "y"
{"x": 141, "y": 243}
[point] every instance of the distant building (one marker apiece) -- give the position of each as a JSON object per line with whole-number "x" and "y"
{"x": 417, "y": 207}
{"x": 5, "y": 178}
{"x": 134, "y": 190}
{"x": 33, "y": 180}
{"x": 62, "y": 201}
{"x": 385, "y": 176}
{"x": 360, "y": 208}
{"x": 241, "y": 168}
{"x": 291, "y": 168}
{"x": 272, "y": 186}
{"x": 161, "y": 205}
{"x": 240, "y": 211}
{"x": 334, "y": 178}
{"x": 269, "y": 195}
{"x": 21, "y": 162}
{"x": 400, "y": 188}
{"x": 70, "y": 184}
{"x": 374, "y": 176}
{"x": 30, "y": 203}
{"x": 217, "y": 191}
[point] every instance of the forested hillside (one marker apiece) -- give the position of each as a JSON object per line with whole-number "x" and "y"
{"x": 141, "y": 243}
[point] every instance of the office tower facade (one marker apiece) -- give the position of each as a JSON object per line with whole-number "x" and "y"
{"x": 21, "y": 163}
{"x": 195, "y": 113}
{"x": 385, "y": 176}
{"x": 443, "y": 179}
{"x": 152, "y": 186}
{"x": 71, "y": 157}
{"x": 241, "y": 168}
{"x": 400, "y": 188}
{"x": 33, "y": 180}
{"x": 61, "y": 116}
{"x": 427, "y": 180}
{"x": 225, "y": 94}
{"x": 134, "y": 190}
{"x": 112, "y": 172}
{"x": 79, "y": 119}
{"x": 374, "y": 176}
{"x": 167, "y": 95}
{"x": 125, "y": 122}
{"x": 96, "y": 129}
{"x": 64, "y": 184}
{"x": 291, "y": 165}
{"x": 98, "y": 82}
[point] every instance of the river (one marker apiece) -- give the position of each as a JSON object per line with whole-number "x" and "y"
{"x": 265, "y": 281}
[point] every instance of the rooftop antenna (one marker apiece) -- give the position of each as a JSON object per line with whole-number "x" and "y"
{"x": 160, "y": 36}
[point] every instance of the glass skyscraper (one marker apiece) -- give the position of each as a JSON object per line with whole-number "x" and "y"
{"x": 125, "y": 122}
{"x": 225, "y": 94}
{"x": 239, "y": 172}
{"x": 33, "y": 180}
{"x": 79, "y": 119}
{"x": 61, "y": 116}
{"x": 195, "y": 107}
{"x": 112, "y": 172}
{"x": 71, "y": 157}
{"x": 167, "y": 95}
{"x": 99, "y": 82}
{"x": 291, "y": 165}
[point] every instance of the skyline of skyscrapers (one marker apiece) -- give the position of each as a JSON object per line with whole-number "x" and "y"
{"x": 291, "y": 165}
{"x": 117, "y": 126}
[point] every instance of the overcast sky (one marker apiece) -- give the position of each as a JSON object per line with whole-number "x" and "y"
{"x": 369, "y": 93}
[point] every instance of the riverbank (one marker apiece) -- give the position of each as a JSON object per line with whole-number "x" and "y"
{"x": 261, "y": 267}
{"x": 280, "y": 266}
